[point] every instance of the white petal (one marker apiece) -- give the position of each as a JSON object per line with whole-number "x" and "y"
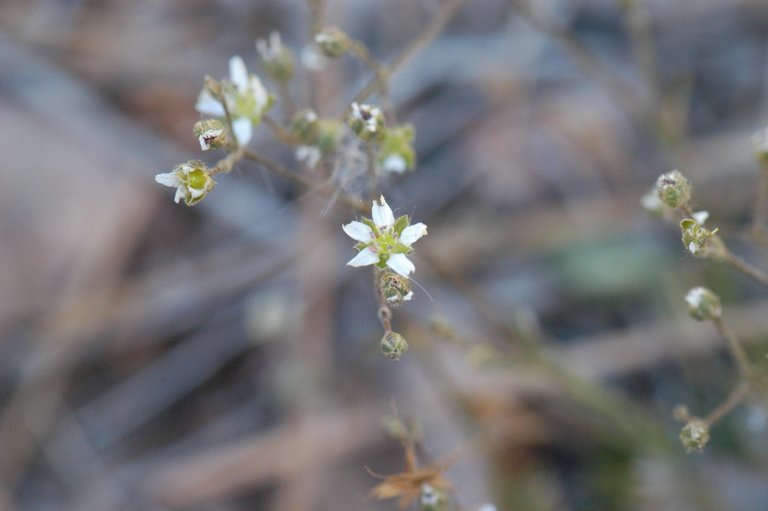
{"x": 196, "y": 192}
{"x": 408, "y": 297}
{"x": 238, "y": 73}
{"x": 168, "y": 179}
{"x": 259, "y": 92}
{"x": 400, "y": 264}
{"x": 358, "y": 231}
{"x": 701, "y": 217}
{"x": 207, "y": 104}
{"x": 308, "y": 154}
{"x": 382, "y": 214}
{"x": 312, "y": 59}
{"x": 243, "y": 129}
{"x": 395, "y": 163}
{"x": 412, "y": 233}
{"x": 364, "y": 258}
{"x": 180, "y": 193}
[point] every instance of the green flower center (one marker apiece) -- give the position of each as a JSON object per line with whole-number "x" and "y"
{"x": 197, "y": 179}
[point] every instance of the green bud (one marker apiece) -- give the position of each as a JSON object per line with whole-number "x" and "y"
{"x": 333, "y": 42}
{"x": 327, "y": 134}
{"x": 395, "y": 288}
{"x": 277, "y": 59}
{"x": 212, "y": 134}
{"x": 695, "y": 435}
{"x": 396, "y": 153}
{"x": 703, "y": 304}
{"x": 432, "y": 499}
{"x": 700, "y": 241}
{"x": 305, "y": 126}
{"x": 393, "y": 345}
{"x": 673, "y": 189}
{"x": 367, "y": 122}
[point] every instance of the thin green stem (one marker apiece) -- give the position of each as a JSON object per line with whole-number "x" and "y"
{"x": 735, "y": 398}
{"x": 737, "y": 350}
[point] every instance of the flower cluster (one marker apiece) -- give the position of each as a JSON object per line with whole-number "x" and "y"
{"x": 384, "y": 240}
{"x": 244, "y": 97}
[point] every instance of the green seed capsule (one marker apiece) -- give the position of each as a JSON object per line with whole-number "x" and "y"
{"x": 393, "y": 345}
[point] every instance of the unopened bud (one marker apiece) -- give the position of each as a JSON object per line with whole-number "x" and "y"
{"x": 695, "y": 435}
{"x": 673, "y": 189}
{"x": 305, "y": 126}
{"x": 393, "y": 345}
{"x": 212, "y": 134}
{"x": 333, "y": 42}
{"x": 395, "y": 288}
{"x": 703, "y": 304}
{"x": 367, "y": 122}
{"x": 278, "y": 60}
{"x": 397, "y": 153}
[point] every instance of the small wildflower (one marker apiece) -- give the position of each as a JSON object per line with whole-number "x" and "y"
{"x": 407, "y": 486}
{"x": 673, "y": 189}
{"x": 211, "y": 134}
{"x": 703, "y": 304}
{"x": 700, "y": 241}
{"x": 393, "y": 345}
{"x": 333, "y": 42}
{"x": 384, "y": 241}
{"x": 277, "y": 59}
{"x": 367, "y": 122}
{"x": 396, "y": 153}
{"x": 192, "y": 181}
{"x": 245, "y": 97}
{"x": 432, "y": 499}
{"x": 760, "y": 146}
{"x": 694, "y": 435}
{"x": 395, "y": 288}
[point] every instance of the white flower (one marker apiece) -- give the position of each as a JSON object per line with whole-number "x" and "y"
{"x": 368, "y": 115}
{"x": 192, "y": 181}
{"x": 308, "y": 154}
{"x": 246, "y": 100}
{"x": 384, "y": 240}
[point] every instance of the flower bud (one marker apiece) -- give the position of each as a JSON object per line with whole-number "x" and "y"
{"x": 277, "y": 59}
{"x": 695, "y": 435}
{"x": 760, "y": 146}
{"x": 432, "y": 499}
{"x": 703, "y": 304}
{"x": 305, "y": 126}
{"x": 393, "y": 345}
{"x": 673, "y": 189}
{"x": 700, "y": 241}
{"x": 327, "y": 134}
{"x": 395, "y": 288}
{"x": 367, "y": 122}
{"x": 397, "y": 153}
{"x": 333, "y": 42}
{"x": 212, "y": 134}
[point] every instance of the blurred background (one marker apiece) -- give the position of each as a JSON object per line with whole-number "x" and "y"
{"x": 223, "y": 357}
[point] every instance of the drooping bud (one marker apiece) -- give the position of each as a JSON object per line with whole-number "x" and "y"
{"x": 333, "y": 42}
{"x": 278, "y": 60}
{"x": 393, "y": 345}
{"x": 367, "y": 122}
{"x": 703, "y": 304}
{"x": 395, "y": 288}
{"x": 212, "y": 134}
{"x": 432, "y": 499}
{"x": 695, "y": 435}
{"x": 700, "y": 241}
{"x": 673, "y": 189}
